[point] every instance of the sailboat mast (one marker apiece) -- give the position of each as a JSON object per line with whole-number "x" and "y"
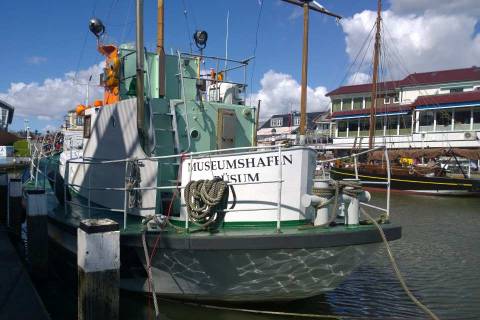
{"x": 303, "y": 96}
{"x": 161, "y": 48}
{"x": 140, "y": 89}
{"x": 376, "y": 55}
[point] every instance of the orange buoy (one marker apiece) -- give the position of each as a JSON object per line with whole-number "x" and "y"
{"x": 80, "y": 109}
{"x": 98, "y": 103}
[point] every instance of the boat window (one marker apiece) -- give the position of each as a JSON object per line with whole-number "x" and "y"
{"x": 444, "y": 120}
{"x": 458, "y": 89}
{"x": 368, "y": 102}
{"x": 336, "y": 105}
{"x": 87, "y": 123}
{"x": 426, "y": 120}
{"x": 296, "y": 121}
{"x": 476, "y": 119}
{"x": 386, "y": 100}
{"x": 462, "y": 119}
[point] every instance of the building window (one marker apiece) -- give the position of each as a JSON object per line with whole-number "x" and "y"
{"x": 353, "y": 128}
{"x": 405, "y": 124}
{"x": 391, "y": 123}
{"x": 462, "y": 119}
{"x": 364, "y": 127}
{"x": 426, "y": 120}
{"x": 458, "y": 89}
{"x": 368, "y": 102}
{"x": 357, "y": 103}
{"x": 476, "y": 119}
{"x": 444, "y": 120}
{"x": 379, "y": 126}
{"x": 396, "y": 98}
{"x": 347, "y": 104}
{"x": 342, "y": 128}
{"x": 276, "y": 122}
{"x": 296, "y": 121}
{"x": 386, "y": 100}
{"x": 336, "y": 105}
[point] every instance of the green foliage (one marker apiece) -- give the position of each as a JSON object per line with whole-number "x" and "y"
{"x": 21, "y": 148}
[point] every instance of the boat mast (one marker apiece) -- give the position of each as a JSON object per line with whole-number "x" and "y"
{"x": 307, "y": 5}
{"x": 161, "y": 48}
{"x": 376, "y": 54}
{"x": 140, "y": 89}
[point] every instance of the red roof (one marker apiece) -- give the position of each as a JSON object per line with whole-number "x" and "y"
{"x": 414, "y": 79}
{"x": 397, "y": 108}
{"x": 469, "y": 96}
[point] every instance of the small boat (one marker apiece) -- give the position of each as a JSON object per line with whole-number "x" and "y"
{"x": 170, "y": 155}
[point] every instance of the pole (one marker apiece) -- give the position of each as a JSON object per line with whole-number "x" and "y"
{"x": 257, "y": 119}
{"x": 161, "y": 48}
{"x": 15, "y": 218}
{"x": 303, "y": 97}
{"x": 3, "y": 198}
{"x": 37, "y": 233}
{"x": 373, "y": 107}
{"x": 140, "y": 70}
{"x": 98, "y": 260}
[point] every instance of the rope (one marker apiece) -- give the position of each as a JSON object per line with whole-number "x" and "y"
{"x": 205, "y": 200}
{"x": 397, "y": 270}
{"x": 151, "y": 286}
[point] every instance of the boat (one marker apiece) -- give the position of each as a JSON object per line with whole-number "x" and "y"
{"x": 431, "y": 171}
{"x": 204, "y": 213}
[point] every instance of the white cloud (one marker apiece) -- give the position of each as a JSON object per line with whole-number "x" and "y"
{"x": 52, "y": 99}
{"x": 36, "y": 60}
{"x": 420, "y": 36}
{"x": 359, "y": 78}
{"x": 280, "y": 93}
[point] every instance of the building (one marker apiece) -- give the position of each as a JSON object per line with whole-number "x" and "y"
{"x": 283, "y": 128}
{"x": 73, "y": 121}
{"x": 423, "y": 110}
{"x": 6, "y": 115}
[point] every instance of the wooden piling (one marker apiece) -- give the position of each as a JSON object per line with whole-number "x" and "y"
{"x": 3, "y": 198}
{"x": 98, "y": 259}
{"x": 15, "y": 214}
{"x": 37, "y": 233}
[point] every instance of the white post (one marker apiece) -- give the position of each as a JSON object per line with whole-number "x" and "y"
{"x": 279, "y": 204}
{"x": 387, "y": 160}
{"x": 356, "y": 166}
{"x": 353, "y": 211}
{"x": 323, "y": 213}
{"x": 98, "y": 260}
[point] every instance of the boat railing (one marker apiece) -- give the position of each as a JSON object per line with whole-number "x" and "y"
{"x": 386, "y": 183}
{"x": 192, "y": 156}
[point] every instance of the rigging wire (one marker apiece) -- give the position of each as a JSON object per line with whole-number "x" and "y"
{"x": 255, "y": 49}
{"x": 187, "y": 25}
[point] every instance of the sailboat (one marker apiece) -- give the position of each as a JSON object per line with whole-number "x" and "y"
{"x": 170, "y": 155}
{"x": 428, "y": 177}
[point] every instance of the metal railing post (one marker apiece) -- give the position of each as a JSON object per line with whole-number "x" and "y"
{"x": 65, "y": 185}
{"x": 387, "y": 160}
{"x": 279, "y": 204}
{"x": 89, "y": 191}
{"x": 356, "y": 166}
{"x": 125, "y": 201}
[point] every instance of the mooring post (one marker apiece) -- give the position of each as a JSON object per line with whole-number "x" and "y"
{"x": 37, "y": 233}
{"x": 98, "y": 259}
{"x": 15, "y": 218}
{"x": 3, "y": 198}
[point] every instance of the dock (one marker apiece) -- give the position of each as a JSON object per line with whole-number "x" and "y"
{"x": 18, "y": 297}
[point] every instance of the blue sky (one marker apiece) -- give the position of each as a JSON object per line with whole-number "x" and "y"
{"x": 46, "y": 39}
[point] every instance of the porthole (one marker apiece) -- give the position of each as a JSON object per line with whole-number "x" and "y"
{"x": 194, "y": 134}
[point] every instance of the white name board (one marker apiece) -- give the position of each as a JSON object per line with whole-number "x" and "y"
{"x": 253, "y": 176}
{"x": 6, "y": 151}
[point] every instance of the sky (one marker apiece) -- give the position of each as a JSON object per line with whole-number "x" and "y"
{"x": 48, "y": 54}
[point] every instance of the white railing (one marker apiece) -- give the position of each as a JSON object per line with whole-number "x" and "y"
{"x": 364, "y": 182}
{"x": 191, "y": 156}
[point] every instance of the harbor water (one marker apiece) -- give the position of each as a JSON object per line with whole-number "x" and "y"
{"x": 438, "y": 255}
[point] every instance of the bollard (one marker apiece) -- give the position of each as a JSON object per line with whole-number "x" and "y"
{"x": 15, "y": 216}
{"x": 3, "y": 198}
{"x": 353, "y": 210}
{"x": 37, "y": 233}
{"x": 98, "y": 259}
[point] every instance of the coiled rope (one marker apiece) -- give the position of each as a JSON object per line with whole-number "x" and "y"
{"x": 206, "y": 201}
{"x": 397, "y": 270}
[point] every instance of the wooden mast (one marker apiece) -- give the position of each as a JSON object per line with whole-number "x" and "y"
{"x": 306, "y": 5}
{"x": 160, "y": 48}
{"x": 376, "y": 53}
